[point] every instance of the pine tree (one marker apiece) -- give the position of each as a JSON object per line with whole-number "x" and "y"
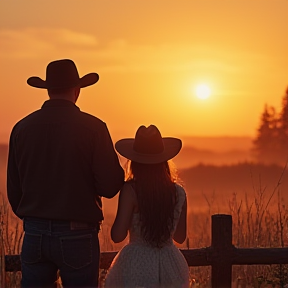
{"x": 283, "y": 129}
{"x": 265, "y": 143}
{"x": 271, "y": 143}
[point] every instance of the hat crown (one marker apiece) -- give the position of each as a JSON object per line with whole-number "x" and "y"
{"x": 62, "y": 73}
{"x": 148, "y": 140}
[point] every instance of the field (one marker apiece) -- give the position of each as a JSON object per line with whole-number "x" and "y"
{"x": 255, "y": 196}
{"x": 259, "y": 213}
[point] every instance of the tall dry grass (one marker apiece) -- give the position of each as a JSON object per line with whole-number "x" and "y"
{"x": 11, "y": 236}
{"x": 258, "y": 221}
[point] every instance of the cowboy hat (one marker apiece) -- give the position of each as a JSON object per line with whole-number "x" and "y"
{"x": 61, "y": 74}
{"x": 148, "y": 146}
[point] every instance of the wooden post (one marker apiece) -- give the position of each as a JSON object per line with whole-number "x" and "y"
{"x": 221, "y": 251}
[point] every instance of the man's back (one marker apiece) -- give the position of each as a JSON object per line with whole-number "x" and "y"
{"x": 65, "y": 162}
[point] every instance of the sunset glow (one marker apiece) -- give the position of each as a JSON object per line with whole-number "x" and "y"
{"x": 212, "y": 73}
{"x": 150, "y": 59}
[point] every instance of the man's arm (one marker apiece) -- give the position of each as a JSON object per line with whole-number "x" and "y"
{"x": 14, "y": 191}
{"x": 108, "y": 173}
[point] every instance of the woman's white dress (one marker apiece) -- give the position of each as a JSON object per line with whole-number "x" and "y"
{"x": 139, "y": 265}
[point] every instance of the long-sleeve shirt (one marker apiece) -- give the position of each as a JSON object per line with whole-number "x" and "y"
{"x": 61, "y": 162}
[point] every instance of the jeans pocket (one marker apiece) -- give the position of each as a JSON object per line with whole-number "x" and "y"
{"x": 77, "y": 250}
{"x": 31, "y": 248}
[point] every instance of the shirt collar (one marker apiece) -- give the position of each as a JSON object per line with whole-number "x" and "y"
{"x": 58, "y": 103}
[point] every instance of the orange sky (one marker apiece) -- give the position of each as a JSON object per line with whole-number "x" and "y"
{"x": 150, "y": 55}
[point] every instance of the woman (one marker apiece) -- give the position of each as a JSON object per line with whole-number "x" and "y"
{"x": 153, "y": 208}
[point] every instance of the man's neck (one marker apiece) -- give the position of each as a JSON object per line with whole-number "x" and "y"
{"x": 62, "y": 97}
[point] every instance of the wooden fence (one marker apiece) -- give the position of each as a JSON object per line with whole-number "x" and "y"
{"x": 221, "y": 255}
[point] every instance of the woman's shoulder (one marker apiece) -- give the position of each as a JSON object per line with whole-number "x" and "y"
{"x": 181, "y": 194}
{"x": 129, "y": 185}
{"x": 129, "y": 189}
{"x": 180, "y": 189}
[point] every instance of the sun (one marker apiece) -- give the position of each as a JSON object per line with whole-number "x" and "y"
{"x": 203, "y": 91}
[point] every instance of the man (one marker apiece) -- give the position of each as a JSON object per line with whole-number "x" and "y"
{"x": 61, "y": 162}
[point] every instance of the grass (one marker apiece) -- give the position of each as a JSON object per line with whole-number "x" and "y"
{"x": 11, "y": 236}
{"x": 258, "y": 221}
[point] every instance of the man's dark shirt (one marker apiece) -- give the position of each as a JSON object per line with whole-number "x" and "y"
{"x": 61, "y": 161}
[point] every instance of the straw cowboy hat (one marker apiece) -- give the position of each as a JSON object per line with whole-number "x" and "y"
{"x": 62, "y": 74}
{"x": 149, "y": 147}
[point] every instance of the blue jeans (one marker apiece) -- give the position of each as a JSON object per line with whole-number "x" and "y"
{"x": 49, "y": 246}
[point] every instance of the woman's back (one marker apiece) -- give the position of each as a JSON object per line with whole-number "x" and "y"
{"x": 140, "y": 264}
{"x": 135, "y": 234}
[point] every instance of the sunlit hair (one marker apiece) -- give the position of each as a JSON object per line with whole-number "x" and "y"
{"x": 156, "y": 194}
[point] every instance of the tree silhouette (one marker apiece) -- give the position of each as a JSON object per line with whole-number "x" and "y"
{"x": 271, "y": 142}
{"x": 283, "y": 127}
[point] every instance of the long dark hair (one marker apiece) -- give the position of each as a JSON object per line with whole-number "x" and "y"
{"x": 156, "y": 194}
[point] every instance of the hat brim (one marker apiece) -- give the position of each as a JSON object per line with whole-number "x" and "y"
{"x": 86, "y": 80}
{"x": 172, "y": 147}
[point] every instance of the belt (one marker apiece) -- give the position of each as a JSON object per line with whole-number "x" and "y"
{"x": 74, "y": 225}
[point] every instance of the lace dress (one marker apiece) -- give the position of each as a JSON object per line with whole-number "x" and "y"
{"x": 139, "y": 265}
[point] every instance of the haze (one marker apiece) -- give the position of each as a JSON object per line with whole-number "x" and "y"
{"x": 150, "y": 55}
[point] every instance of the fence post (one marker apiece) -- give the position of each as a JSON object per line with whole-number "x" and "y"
{"x": 221, "y": 251}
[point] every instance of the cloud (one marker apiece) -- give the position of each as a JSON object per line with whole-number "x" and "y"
{"x": 36, "y": 43}
{"x": 120, "y": 55}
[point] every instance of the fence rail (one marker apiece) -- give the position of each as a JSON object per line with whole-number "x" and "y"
{"x": 221, "y": 255}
